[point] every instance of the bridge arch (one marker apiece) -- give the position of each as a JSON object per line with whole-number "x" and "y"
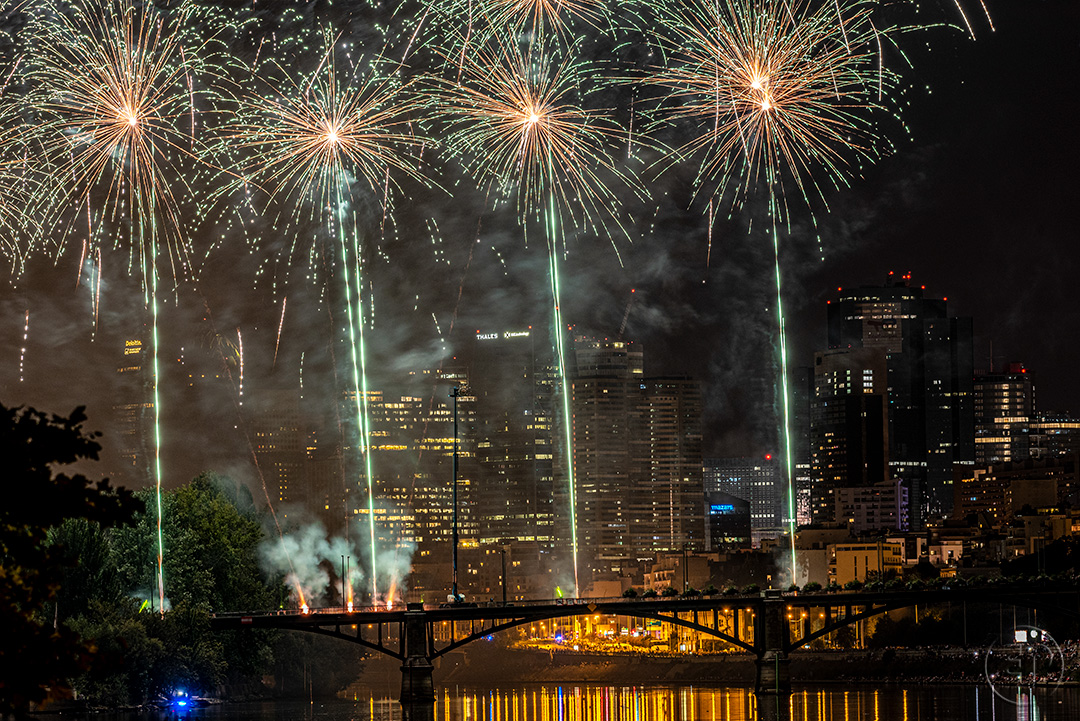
{"x": 576, "y": 610}
{"x": 1034, "y": 602}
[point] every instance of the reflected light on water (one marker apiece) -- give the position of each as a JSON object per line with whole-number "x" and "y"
{"x": 652, "y": 703}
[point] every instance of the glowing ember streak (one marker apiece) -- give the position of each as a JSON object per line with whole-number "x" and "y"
{"x": 277, "y": 341}
{"x": 240, "y": 354}
{"x": 22, "y": 352}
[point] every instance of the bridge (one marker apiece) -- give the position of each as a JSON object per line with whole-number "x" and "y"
{"x": 770, "y": 625}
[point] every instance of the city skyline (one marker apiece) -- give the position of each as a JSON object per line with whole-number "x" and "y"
{"x": 710, "y": 322}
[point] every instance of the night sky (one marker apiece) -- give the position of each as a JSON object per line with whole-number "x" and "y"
{"x": 977, "y": 203}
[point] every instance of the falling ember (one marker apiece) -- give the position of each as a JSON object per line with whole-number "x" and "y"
{"x": 281, "y": 324}
{"x": 22, "y": 353}
{"x": 240, "y": 353}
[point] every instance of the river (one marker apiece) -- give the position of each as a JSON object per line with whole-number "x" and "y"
{"x": 577, "y": 702}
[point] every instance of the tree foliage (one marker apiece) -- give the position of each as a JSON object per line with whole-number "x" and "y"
{"x": 38, "y": 655}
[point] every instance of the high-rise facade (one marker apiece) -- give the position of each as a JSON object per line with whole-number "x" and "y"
{"x": 602, "y": 411}
{"x": 134, "y": 413}
{"x": 929, "y": 363}
{"x": 512, "y": 377}
{"x": 757, "y": 480}
{"x": 1004, "y": 408}
{"x": 636, "y": 459}
{"x": 1053, "y": 434}
{"x": 666, "y": 485}
{"x": 849, "y": 425}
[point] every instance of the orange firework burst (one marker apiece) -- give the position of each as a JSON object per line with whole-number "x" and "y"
{"x": 774, "y": 87}
{"x": 518, "y": 123}
{"x": 307, "y": 136}
{"x": 116, "y": 87}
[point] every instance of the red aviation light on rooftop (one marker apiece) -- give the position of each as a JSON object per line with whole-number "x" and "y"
{"x": 768, "y": 456}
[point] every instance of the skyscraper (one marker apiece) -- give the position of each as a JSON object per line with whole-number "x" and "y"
{"x": 512, "y": 378}
{"x": 849, "y": 425}
{"x": 1004, "y": 407}
{"x": 666, "y": 485}
{"x": 755, "y": 480}
{"x": 602, "y": 410}
{"x": 134, "y": 414}
{"x": 930, "y": 369}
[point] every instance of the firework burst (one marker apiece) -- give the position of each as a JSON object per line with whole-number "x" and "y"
{"x": 305, "y": 143}
{"x": 516, "y": 120}
{"x": 302, "y": 138}
{"x": 116, "y": 89}
{"x": 775, "y": 89}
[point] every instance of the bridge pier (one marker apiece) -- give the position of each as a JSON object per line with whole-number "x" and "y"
{"x": 417, "y": 689}
{"x": 773, "y": 684}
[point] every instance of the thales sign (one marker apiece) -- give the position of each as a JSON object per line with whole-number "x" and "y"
{"x": 505, "y": 334}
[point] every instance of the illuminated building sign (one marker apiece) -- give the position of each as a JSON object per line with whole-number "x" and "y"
{"x": 506, "y": 334}
{"x": 723, "y": 508}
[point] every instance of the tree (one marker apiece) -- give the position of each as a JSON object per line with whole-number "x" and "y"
{"x": 38, "y": 653}
{"x": 210, "y": 565}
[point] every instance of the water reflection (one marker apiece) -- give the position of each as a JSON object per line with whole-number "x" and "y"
{"x": 570, "y": 702}
{"x": 658, "y": 703}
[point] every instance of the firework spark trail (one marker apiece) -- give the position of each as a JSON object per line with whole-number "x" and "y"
{"x": 281, "y": 324}
{"x": 250, "y": 442}
{"x": 22, "y": 351}
{"x": 305, "y": 142}
{"x": 112, "y": 84}
{"x": 516, "y": 122}
{"x": 240, "y": 351}
{"x": 779, "y": 90}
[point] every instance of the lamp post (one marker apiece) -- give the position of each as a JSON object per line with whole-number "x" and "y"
{"x": 454, "y": 393}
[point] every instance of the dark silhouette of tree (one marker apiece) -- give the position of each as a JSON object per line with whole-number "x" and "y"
{"x": 39, "y": 653}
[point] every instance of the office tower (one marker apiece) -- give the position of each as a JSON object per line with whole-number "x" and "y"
{"x": 411, "y": 443}
{"x": 878, "y": 507}
{"x": 757, "y": 480}
{"x": 1053, "y": 434}
{"x": 929, "y": 363}
{"x": 727, "y": 520}
{"x": 278, "y": 437}
{"x": 512, "y": 376}
{"x": 1004, "y": 406}
{"x": 802, "y": 395}
{"x": 637, "y": 459}
{"x": 602, "y": 409}
{"x": 849, "y": 425}
{"x": 134, "y": 413}
{"x": 666, "y": 486}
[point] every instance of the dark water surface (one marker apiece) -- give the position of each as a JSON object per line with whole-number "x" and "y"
{"x": 571, "y": 702}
